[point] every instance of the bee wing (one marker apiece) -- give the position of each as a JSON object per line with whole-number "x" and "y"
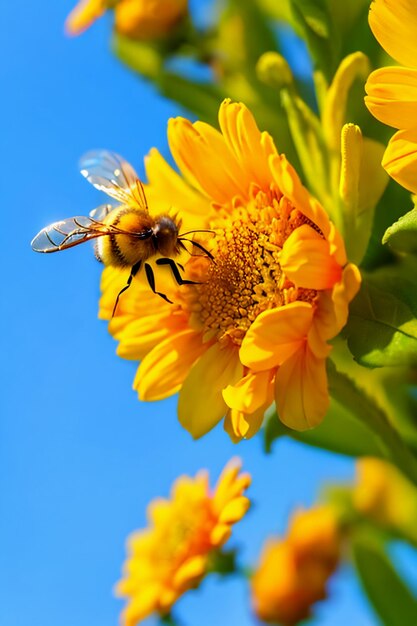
{"x": 68, "y": 233}
{"x": 100, "y": 212}
{"x": 108, "y": 172}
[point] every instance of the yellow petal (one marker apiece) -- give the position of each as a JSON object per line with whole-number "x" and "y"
{"x": 166, "y": 187}
{"x": 290, "y": 185}
{"x": 306, "y": 260}
{"x": 201, "y": 403}
{"x": 251, "y": 392}
{"x": 301, "y": 390}
{"x": 220, "y": 534}
{"x": 202, "y": 155}
{"x": 138, "y": 337}
{"x": 239, "y": 425}
{"x": 394, "y": 24}
{"x": 400, "y": 159}
{"x": 275, "y": 335}
{"x": 191, "y": 570}
{"x": 332, "y": 310}
{"x": 234, "y": 510}
{"x": 164, "y": 369}
{"x": 251, "y": 147}
{"x": 141, "y": 606}
{"x": 83, "y": 15}
{"x": 392, "y": 96}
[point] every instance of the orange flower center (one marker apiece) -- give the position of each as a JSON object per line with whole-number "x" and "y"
{"x": 245, "y": 278}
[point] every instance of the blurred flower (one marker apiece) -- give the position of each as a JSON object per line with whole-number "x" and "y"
{"x": 172, "y": 555}
{"x": 392, "y": 91}
{"x": 385, "y": 496}
{"x": 140, "y": 19}
{"x": 256, "y": 326}
{"x": 293, "y": 572}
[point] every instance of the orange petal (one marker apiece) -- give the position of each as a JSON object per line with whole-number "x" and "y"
{"x": 301, "y": 390}
{"x": 400, "y": 159}
{"x": 306, "y": 260}
{"x": 394, "y": 24}
{"x": 201, "y": 403}
{"x": 392, "y": 96}
{"x": 275, "y": 335}
{"x": 164, "y": 369}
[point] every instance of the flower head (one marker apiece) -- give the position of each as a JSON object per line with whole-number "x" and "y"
{"x": 255, "y": 327}
{"x": 293, "y": 572}
{"x": 172, "y": 555}
{"x": 140, "y": 19}
{"x": 392, "y": 91}
{"x": 384, "y": 495}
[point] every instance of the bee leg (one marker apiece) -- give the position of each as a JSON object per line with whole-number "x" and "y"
{"x": 151, "y": 280}
{"x": 135, "y": 269}
{"x": 175, "y": 271}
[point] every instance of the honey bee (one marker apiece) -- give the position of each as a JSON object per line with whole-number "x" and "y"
{"x": 126, "y": 234}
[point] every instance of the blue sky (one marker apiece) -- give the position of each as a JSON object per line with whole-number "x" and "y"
{"x": 80, "y": 457}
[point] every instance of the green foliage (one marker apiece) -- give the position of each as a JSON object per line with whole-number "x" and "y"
{"x": 391, "y": 598}
{"x": 339, "y": 432}
{"x": 382, "y": 328}
{"x": 314, "y": 21}
{"x": 222, "y": 562}
{"x": 402, "y": 235}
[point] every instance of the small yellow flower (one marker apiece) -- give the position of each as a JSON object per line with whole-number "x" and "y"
{"x": 392, "y": 91}
{"x": 171, "y": 556}
{"x": 385, "y": 496}
{"x": 293, "y": 572}
{"x": 255, "y": 328}
{"x": 140, "y": 19}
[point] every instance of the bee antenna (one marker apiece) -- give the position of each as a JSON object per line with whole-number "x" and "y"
{"x": 197, "y": 245}
{"x": 190, "y": 232}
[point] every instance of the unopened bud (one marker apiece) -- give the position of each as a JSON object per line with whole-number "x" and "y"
{"x": 273, "y": 70}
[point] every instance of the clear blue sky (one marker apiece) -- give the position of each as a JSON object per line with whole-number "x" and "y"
{"x": 80, "y": 457}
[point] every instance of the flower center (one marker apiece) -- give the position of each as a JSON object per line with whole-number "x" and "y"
{"x": 246, "y": 277}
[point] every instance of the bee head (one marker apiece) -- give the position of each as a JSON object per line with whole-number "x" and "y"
{"x": 166, "y": 234}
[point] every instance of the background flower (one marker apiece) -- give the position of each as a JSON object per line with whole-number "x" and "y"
{"x": 392, "y": 91}
{"x": 141, "y": 19}
{"x": 293, "y": 572}
{"x": 172, "y": 555}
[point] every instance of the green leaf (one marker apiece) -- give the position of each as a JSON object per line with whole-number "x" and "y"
{"x": 391, "y": 598}
{"x": 314, "y": 21}
{"x": 222, "y": 562}
{"x": 382, "y": 327}
{"x": 339, "y": 432}
{"x": 402, "y": 235}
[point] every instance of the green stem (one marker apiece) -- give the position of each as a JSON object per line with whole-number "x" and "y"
{"x": 345, "y": 391}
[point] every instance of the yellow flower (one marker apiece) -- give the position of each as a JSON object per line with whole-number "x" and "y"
{"x": 392, "y": 91}
{"x": 172, "y": 555}
{"x": 256, "y": 326}
{"x": 384, "y": 495}
{"x": 140, "y": 19}
{"x": 293, "y": 572}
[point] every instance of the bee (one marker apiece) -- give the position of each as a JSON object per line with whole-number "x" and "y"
{"x": 125, "y": 235}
